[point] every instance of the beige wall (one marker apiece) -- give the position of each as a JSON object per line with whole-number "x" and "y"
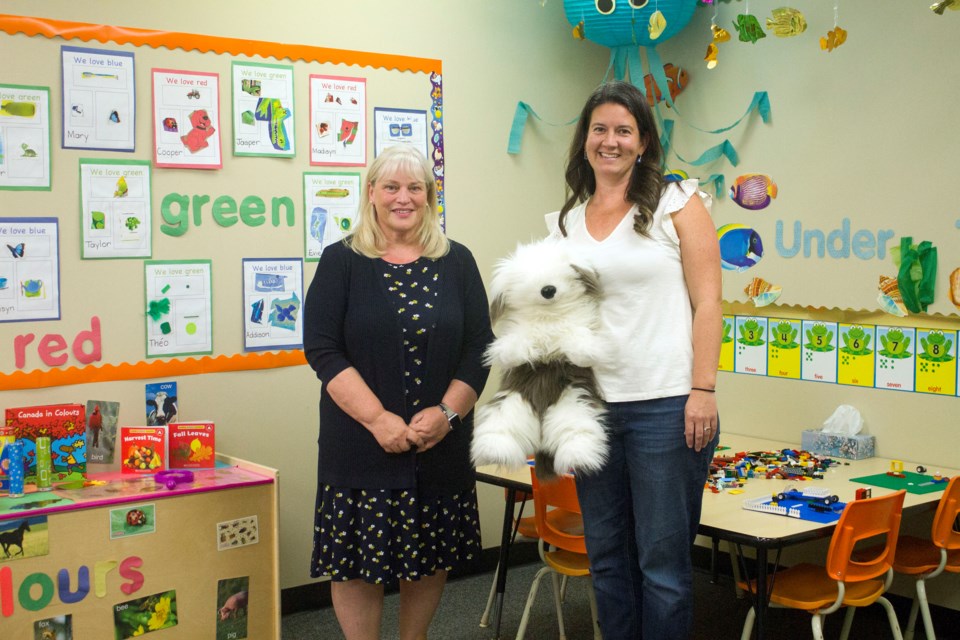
{"x": 865, "y": 132}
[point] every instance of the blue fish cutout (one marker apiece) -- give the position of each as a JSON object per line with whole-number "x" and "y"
{"x": 17, "y": 251}
{"x": 256, "y": 313}
{"x": 318, "y": 222}
{"x": 114, "y": 117}
{"x": 740, "y": 247}
{"x": 268, "y": 282}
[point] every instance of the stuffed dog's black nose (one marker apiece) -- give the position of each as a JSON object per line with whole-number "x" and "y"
{"x": 548, "y": 291}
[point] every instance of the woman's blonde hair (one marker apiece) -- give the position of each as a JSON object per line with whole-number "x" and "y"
{"x": 367, "y": 238}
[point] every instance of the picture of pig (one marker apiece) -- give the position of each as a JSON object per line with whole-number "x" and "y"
{"x": 234, "y": 605}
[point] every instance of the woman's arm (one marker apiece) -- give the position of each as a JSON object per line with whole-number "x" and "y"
{"x": 431, "y": 423}
{"x": 358, "y": 401}
{"x": 700, "y": 256}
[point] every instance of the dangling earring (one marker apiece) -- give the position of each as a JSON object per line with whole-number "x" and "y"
{"x": 585, "y": 155}
{"x": 639, "y": 158}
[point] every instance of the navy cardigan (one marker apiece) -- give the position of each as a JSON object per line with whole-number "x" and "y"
{"x": 350, "y": 322}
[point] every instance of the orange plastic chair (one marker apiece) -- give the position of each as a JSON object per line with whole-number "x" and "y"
{"x": 563, "y": 551}
{"x": 928, "y": 558}
{"x": 845, "y": 581}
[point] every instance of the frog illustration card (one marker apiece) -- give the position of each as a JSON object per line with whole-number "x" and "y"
{"x": 726, "y": 345}
{"x": 856, "y": 358}
{"x": 896, "y": 358}
{"x": 819, "y": 351}
{"x": 937, "y": 362}
{"x": 751, "y": 350}
{"x": 783, "y": 348}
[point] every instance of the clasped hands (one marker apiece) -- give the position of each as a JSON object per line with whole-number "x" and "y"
{"x": 428, "y": 427}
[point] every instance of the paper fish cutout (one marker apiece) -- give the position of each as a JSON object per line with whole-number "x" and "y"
{"x": 834, "y": 38}
{"x": 318, "y": 222}
{"x": 676, "y": 82}
{"x": 16, "y": 251}
{"x": 256, "y": 311}
{"x": 657, "y": 24}
{"x": 170, "y": 124}
{"x": 719, "y": 33}
{"x": 749, "y": 28}
{"x": 938, "y": 7}
{"x": 578, "y": 31}
{"x": 740, "y": 247}
{"x": 889, "y": 297}
{"x": 787, "y": 22}
{"x": 196, "y": 139}
{"x": 268, "y": 282}
{"x": 753, "y": 191}
{"x": 711, "y": 57}
{"x": 762, "y": 292}
{"x": 122, "y": 188}
{"x": 675, "y": 175}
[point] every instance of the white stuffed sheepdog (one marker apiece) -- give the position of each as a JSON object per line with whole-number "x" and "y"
{"x": 546, "y": 310}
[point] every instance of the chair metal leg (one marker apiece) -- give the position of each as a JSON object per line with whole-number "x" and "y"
{"x": 847, "y": 623}
{"x": 530, "y": 598}
{"x": 924, "y": 609}
{"x": 737, "y": 576}
{"x": 593, "y": 609}
{"x": 816, "y": 622}
{"x": 748, "y": 624}
{"x": 555, "y": 578}
{"x": 892, "y": 617}
{"x": 912, "y": 619}
{"x": 485, "y": 618}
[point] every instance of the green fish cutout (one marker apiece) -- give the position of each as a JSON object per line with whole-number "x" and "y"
{"x": 749, "y": 28}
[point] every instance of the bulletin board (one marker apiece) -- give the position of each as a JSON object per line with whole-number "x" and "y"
{"x": 199, "y": 197}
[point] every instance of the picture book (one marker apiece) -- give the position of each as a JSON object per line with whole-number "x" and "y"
{"x": 142, "y": 449}
{"x": 102, "y": 418}
{"x": 161, "y": 402}
{"x": 191, "y": 445}
{"x": 65, "y": 425}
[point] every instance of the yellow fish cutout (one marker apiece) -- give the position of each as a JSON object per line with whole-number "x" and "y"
{"x": 657, "y": 24}
{"x": 834, "y": 38}
{"x": 711, "y": 57}
{"x": 938, "y": 7}
{"x": 786, "y": 22}
{"x": 578, "y": 32}
{"x": 719, "y": 34}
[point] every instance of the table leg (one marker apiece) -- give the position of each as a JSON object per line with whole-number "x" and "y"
{"x": 511, "y": 499}
{"x": 714, "y": 551}
{"x": 762, "y": 597}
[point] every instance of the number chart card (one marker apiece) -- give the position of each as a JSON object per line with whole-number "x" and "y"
{"x": 819, "y": 360}
{"x": 115, "y": 214}
{"x": 399, "y": 126}
{"x": 330, "y": 204}
{"x": 24, "y": 137}
{"x": 783, "y": 348}
{"x": 272, "y": 301}
{"x": 99, "y": 99}
{"x": 338, "y": 126}
{"x": 937, "y": 362}
{"x": 186, "y": 119}
{"x": 179, "y": 303}
{"x": 856, "y": 358}
{"x": 751, "y": 356}
{"x": 726, "y": 345}
{"x": 896, "y": 358}
{"x": 263, "y": 110}
{"x": 29, "y": 269}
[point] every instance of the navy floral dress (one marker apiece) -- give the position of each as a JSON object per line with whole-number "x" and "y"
{"x": 381, "y": 535}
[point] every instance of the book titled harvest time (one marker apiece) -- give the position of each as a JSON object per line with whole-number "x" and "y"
{"x": 191, "y": 445}
{"x": 141, "y": 449}
{"x": 65, "y": 425}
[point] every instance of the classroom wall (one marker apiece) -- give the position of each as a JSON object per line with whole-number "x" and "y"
{"x": 862, "y": 133}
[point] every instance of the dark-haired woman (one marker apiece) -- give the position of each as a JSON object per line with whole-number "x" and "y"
{"x": 656, "y": 250}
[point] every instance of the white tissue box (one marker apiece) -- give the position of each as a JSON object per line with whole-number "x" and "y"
{"x": 856, "y": 447}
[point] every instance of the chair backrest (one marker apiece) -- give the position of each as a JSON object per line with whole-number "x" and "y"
{"x": 862, "y": 520}
{"x": 561, "y": 494}
{"x": 944, "y": 532}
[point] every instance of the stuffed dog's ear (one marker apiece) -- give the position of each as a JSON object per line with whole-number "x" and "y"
{"x": 590, "y": 279}
{"x": 497, "y": 307}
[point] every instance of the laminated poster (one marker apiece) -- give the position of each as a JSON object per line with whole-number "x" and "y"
{"x": 338, "y": 126}
{"x": 99, "y": 99}
{"x": 937, "y": 362}
{"x": 24, "y": 137}
{"x": 783, "y": 348}
{"x": 115, "y": 210}
{"x": 272, "y": 303}
{"x": 896, "y": 358}
{"x": 29, "y": 269}
{"x": 186, "y": 119}
{"x": 331, "y": 202}
{"x": 819, "y": 360}
{"x": 399, "y": 126}
{"x": 263, "y": 113}
{"x": 726, "y": 345}
{"x": 856, "y": 359}
{"x": 179, "y": 303}
{"x": 751, "y": 351}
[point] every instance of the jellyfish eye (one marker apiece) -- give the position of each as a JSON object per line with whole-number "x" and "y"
{"x": 606, "y": 7}
{"x": 638, "y": 4}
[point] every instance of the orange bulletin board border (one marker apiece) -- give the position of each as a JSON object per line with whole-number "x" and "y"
{"x": 67, "y": 30}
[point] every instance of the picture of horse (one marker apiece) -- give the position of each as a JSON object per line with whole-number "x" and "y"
{"x": 23, "y": 538}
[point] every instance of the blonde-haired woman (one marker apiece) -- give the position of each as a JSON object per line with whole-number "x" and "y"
{"x": 395, "y": 327}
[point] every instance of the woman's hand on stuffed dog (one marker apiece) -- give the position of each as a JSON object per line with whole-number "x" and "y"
{"x": 393, "y": 434}
{"x": 700, "y": 419}
{"x": 431, "y": 426}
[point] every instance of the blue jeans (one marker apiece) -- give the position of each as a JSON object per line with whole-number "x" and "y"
{"x": 640, "y": 515}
